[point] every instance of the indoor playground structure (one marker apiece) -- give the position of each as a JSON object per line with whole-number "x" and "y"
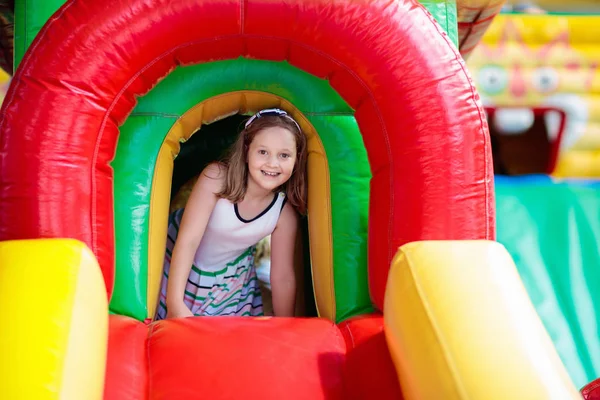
{"x": 114, "y": 105}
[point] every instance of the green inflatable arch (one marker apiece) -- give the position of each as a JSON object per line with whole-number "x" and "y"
{"x": 144, "y": 132}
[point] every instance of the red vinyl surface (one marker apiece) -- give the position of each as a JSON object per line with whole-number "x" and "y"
{"x": 369, "y": 372}
{"x": 127, "y": 361}
{"x": 250, "y": 358}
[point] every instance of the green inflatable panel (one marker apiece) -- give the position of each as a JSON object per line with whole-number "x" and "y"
{"x": 30, "y": 17}
{"x": 143, "y": 134}
{"x": 350, "y": 177}
{"x": 444, "y": 11}
{"x": 139, "y": 142}
{"x": 552, "y": 230}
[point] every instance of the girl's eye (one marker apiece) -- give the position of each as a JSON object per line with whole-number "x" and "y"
{"x": 284, "y": 155}
{"x": 262, "y": 152}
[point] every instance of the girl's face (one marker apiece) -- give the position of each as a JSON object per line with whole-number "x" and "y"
{"x": 271, "y": 157}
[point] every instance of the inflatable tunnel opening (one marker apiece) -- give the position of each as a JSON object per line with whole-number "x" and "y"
{"x": 209, "y": 144}
{"x": 172, "y": 148}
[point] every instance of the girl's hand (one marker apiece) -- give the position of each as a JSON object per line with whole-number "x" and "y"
{"x": 178, "y": 311}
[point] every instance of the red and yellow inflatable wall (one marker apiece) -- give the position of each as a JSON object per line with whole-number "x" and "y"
{"x": 399, "y": 158}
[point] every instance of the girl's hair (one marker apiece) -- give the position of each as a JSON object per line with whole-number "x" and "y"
{"x": 234, "y": 188}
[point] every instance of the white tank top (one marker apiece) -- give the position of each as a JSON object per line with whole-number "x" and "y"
{"x": 228, "y": 235}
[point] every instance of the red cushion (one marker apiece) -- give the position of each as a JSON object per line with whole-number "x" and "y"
{"x": 249, "y": 358}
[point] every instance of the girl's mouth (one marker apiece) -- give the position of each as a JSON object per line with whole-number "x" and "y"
{"x": 271, "y": 174}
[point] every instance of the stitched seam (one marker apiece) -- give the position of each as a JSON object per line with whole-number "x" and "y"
{"x": 593, "y": 387}
{"x": 330, "y": 113}
{"x": 151, "y": 329}
{"x": 154, "y": 114}
{"x": 329, "y": 231}
{"x": 446, "y": 3}
{"x": 351, "y": 336}
{"x": 343, "y": 356}
{"x": 242, "y": 16}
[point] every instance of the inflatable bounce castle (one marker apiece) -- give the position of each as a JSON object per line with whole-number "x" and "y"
{"x": 414, "y": 297}
{"x": 538, "y": 77}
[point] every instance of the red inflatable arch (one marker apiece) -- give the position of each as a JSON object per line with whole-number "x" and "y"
{"x": 417, "y": 110}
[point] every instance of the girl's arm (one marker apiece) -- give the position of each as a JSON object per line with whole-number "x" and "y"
{"x": 193, "y": 224}
{"x": 283, "y": 278}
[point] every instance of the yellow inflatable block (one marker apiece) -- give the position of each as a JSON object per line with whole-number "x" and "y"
{"x": 460, "y": 325}
{"x": 579, "y": 163}
{"x": 54, "y": 325}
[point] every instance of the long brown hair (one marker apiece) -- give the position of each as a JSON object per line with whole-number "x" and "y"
{"x": 236, "y": 180}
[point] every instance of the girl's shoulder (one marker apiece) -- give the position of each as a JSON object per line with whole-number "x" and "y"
{"x": 213, "y": 177}
{"x": 215, "y": 170}
{"x": 288, "y": 215}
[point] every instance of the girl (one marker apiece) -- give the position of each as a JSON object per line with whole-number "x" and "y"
{"x": 233, "y": 205}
